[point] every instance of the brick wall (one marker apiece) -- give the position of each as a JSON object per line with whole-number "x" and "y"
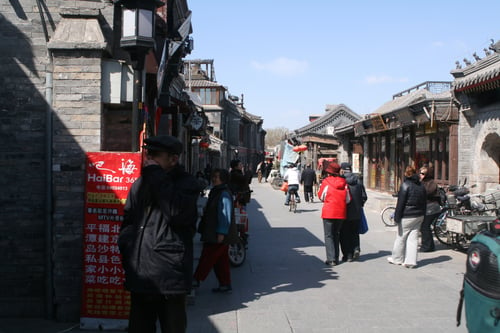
{"x": 77, "y": 129}
{"x": 478, "y": 141}
{"x": 77, "y": 126}
{"x": 22, "y": 159}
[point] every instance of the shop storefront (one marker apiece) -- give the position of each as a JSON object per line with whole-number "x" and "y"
{"x": 416, "y": 128}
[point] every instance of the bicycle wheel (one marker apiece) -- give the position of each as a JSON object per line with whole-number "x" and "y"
{"x": 387, "y": 216}
{"x": 291, "y": 208}
{"x": 442, "y": 235}
{"x": 237, "y": 254}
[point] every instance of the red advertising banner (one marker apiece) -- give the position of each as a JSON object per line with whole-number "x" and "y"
{"x": 109, "y": 176}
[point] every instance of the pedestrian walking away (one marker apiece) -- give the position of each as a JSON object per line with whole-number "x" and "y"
{"x": 308, "y": 180}
{"x": 218, "y": 230}
{"x": 156, "y": 239}
{"x": 333, "y": 193}
{"x": 349, "y": 233}
{"x": 409, "y": 215}
{"x": 292, "y": 177}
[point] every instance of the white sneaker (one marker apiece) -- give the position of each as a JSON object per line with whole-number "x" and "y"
{"x": 391, "y": 261}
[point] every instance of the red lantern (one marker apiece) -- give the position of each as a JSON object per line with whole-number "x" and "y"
{"x": 300, "y": 148}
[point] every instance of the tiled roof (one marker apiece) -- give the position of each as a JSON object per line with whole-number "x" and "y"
{"x": 412, "y": 98}
{"x": 203, "y": 84}
{"x": 331, "y": 112}
{"x": 482, "y": 72}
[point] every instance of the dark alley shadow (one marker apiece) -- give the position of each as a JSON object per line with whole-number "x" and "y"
{"x": 24, "y": 228}
{"x": 275, "y": 263}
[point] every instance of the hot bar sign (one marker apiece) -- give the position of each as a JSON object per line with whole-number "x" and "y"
{"x": 109, "y": 176}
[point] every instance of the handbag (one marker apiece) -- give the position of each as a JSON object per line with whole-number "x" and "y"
{"x": 433, "y": 208}
{"x": 284, "y": 187}
{"x": 363, "y": 224}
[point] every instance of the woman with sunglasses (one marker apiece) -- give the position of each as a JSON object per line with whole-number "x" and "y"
{"x": 433, "y": 208}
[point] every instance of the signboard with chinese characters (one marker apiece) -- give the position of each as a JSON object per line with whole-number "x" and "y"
{"x": 355, "y": 163}
{"x": 109, "y": 176}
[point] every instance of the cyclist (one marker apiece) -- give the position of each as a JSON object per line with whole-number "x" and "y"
{"x": 292, "y": 176}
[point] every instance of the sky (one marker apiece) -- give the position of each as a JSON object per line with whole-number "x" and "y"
{"x": 291, "y": 58}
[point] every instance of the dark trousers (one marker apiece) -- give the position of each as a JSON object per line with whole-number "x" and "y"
{"x": 214, "y": 256}
{"x": 169, "y": 310}
{"x": 308, "y": 192}
{"x": 427, "y": 241}
{"x": 349, "y": 237}
{"x": 331, "y": 228}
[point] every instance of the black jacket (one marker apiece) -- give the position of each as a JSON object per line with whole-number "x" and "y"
{"x": 308, "y": 177}
{"x": 238, "y": 184}
{"x": 156, "y": 237}
{"x": 208, "y": 225}
{"x": 412, "y": 199}
{"x": 358, "y": 196}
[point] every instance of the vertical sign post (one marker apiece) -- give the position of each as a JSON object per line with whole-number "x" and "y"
{"x": 109, "y": 176}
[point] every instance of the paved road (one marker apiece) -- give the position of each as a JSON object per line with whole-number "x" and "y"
{"x": 284, "y": 286}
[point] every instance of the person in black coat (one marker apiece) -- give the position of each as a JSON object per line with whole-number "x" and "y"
{"x": 238, "y": 183}
{"x": 409, "y": 215}
{"x": 217, "y": 231}
{"x": 156, "y": 239}
{"x": 433, "y": 208}
{"x": 349, "y": 233}
{"x": 308, "y": 180}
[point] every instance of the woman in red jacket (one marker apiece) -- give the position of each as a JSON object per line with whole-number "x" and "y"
{"x": 332, "y": 193}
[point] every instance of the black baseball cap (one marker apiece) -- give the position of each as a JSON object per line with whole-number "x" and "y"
{"x": 166, "y": 143}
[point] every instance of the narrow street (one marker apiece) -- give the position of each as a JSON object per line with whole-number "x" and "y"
{"x": 284, "y": 286}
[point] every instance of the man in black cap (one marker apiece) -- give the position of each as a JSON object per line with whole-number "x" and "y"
{"x": 156, "y": 239}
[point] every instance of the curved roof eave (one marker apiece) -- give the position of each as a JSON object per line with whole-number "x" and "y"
{"x": 328, "y": 114}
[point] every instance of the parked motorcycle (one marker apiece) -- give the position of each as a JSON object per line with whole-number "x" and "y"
{"x": 465, "y": 215}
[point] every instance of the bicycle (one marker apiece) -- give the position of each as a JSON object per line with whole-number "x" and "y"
{"x": 439, "y": 228}
{"x": 293, "y": 202}
{"x": 238, "y": 252}
{"x": 387, "y": 216}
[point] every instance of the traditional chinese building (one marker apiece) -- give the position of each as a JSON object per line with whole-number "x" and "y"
{"x": 320, "y": 135}
{"x": 233, "y": 132}
{"x": 419, "y": 126}
{"x": 477, "y": 87}
{"x": 68, "y": 88}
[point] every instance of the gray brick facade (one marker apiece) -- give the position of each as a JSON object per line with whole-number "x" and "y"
{"x": 479, "y": 135}
{"x": 34, "y": 236}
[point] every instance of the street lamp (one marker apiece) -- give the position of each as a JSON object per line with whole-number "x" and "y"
{"x": 137, "y": 38}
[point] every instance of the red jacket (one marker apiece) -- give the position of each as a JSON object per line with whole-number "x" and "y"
{"x": 333, "y": 194}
